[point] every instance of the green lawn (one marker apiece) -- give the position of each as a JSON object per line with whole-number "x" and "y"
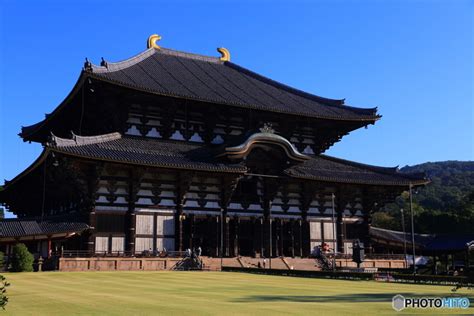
{"x": 204, "y": 293}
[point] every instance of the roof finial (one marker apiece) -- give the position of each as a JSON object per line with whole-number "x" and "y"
{"x": 152, "y": 41}
{"x": 87, "y": 65}
{"x": 225, "y": 54}
{"x": 267, "y": 128}
{"x": 103, "y": 63}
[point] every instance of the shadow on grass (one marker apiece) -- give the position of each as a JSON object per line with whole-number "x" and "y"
{"x": 343, "y": 298}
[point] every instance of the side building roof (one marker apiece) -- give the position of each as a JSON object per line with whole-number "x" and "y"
{"x": 16, "y": 228}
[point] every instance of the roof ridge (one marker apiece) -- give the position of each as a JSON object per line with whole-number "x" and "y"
{"x": 400, "y": 232}
{"x": 78, "y": 140}
{"x": 107, "y": 66}
{"x": 177, "y": 53}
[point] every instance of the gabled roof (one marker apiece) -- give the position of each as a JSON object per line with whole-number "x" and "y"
{"x": 265, "y": 137}
{"x": 190, "y": 76}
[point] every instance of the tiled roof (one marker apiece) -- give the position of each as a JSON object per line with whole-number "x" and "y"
{"x": 177, "y": 74}
{"x": 325, "y": 168}
{"x": 143, "y": 151}
{"x": 399, "y": 237}
{"x": 181, "y": 155}
{"x": 429, "y": 242}
{"x": 19, "y": 228}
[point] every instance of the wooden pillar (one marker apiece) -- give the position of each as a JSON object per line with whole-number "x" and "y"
{"x": 293, "y": 231}
{"x": 306, "y": 242}
{"x": 280, "y": 237}
{"x": 276, "y": 236}
{"x": 191, "y": 231}
{"x": 255, "y": 237}
{"x": 236, "y": 236}
{"x": 183, "y": 183}
{"x": 340, "y": 232}
{"x": 300, "y": 238}
{"x": 267, "y": 229}
{"x": 155, "y": 232}
{"x": 178, "y": 221}
{"x": 217, "y": 245}
{"x": 91, "y": 233}
{"x": 49, "y": 247}
{"x": 340, "y": 207}
{"x": 135, "y": 176}
{"x": 266, "y": 236}
{"x": 226, "y": 234}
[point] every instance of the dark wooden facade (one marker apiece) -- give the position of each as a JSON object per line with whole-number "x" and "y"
{"x": 174, "y": 150}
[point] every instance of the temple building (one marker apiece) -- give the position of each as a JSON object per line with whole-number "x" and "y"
{"x": 173, "y": 150}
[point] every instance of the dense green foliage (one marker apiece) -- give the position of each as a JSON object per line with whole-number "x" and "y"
{"x": 3, "y": 292}
{"x": 22, "y": 259}
{"x": 446, "y": 205}
{"x": 3, "y": 285}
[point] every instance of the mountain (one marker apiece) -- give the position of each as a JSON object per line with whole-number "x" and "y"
{"x": 446, "y": 205}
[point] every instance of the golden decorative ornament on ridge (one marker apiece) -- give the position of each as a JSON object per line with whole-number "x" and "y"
{"x": 152, "y": 41}
{"x": 225, "y": 54}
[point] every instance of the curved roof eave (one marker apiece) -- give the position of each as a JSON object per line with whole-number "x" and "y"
{"x": 400, "y": 183}
{"x": 39, "y": 160}
{"x": 369, "y": 119}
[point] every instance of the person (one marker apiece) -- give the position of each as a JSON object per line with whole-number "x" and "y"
{"x": 264, "y": 262}
{"x": 259, "y": 265}
{"x": 199, "y": 250}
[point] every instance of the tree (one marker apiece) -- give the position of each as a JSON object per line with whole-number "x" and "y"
{"x": 22, "y": 259}
{"x": 446, "y": 205}
{"x": 3, "y": 292}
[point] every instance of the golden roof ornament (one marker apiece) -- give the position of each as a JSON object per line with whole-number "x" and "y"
{"x": 225, "y": 54}
{"x": 152, "y": 41}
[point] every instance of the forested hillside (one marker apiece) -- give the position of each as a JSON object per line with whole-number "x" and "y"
{"x": 446, "y": 205}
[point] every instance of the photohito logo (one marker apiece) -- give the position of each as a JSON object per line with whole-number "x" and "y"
{"x": 399, "y": 302}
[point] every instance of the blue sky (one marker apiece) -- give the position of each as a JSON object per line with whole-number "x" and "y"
{"x": 411, "y": 59}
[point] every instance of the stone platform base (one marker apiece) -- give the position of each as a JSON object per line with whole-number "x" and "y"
{"x": 154, "y": 264}
{"x": 372, "y": 263}
{"x": 116, "y": 264}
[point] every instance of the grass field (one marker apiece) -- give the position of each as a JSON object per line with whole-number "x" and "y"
{"x": 204, "y": 293}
